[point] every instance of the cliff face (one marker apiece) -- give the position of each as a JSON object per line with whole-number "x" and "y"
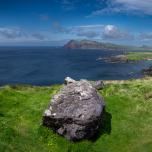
{"x": 87, "y": 44}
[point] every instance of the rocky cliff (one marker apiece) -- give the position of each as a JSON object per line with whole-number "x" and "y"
{"x": 87, "y": 44}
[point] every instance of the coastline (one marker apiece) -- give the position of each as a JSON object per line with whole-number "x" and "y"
{"x": 106, "y": 82}
{"x": 129, "y": 57}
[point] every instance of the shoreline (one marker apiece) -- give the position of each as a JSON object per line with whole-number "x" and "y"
{"x": 129, "y": 57}
{"x": 106, "y": 82}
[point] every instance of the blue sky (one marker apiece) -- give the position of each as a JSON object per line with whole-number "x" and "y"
{"x": 54, "y": 22}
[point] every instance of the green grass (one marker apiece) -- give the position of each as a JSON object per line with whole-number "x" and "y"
{"x": 129, "y": 103}
{"x": 136, "y": 56}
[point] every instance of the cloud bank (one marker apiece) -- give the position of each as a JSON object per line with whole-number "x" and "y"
{"x": 11, "y": 34}
{"x": 137, "y": 7}
{"x": 109, "y": 33}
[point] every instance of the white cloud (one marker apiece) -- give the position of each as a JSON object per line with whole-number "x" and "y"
{"x": 142, "y": 7}
{"x": 88, "y": 31}
{"x": 109, "y": 33}
{"x": 88, "y": 34}
{"x": 113, "y": 32}
{"x": 90, "y": 26}
{"x": 13, "y": 34}
{"x": 99, "y": 31}
{"x": 145, "y": 36}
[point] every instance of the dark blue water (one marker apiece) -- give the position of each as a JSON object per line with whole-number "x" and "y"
{"x": 46, "y": 65}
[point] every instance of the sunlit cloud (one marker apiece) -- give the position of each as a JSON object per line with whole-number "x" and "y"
{"x": 113, "y": 32}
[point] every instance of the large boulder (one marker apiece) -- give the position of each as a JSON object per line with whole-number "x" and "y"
{"x": 75, "y": 112}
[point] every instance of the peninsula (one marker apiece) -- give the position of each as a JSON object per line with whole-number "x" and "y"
{"x": 89, "y": 44}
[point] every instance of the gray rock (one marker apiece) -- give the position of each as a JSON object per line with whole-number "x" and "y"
{"x": 68, "y": 80}
{"x": 97, "y": 84}
{"x": 75, "y": 112}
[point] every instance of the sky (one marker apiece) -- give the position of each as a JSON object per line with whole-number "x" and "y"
{"x": 55, "y": 22}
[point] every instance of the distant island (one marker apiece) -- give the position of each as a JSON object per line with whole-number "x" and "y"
{"x": 88, "y": 44}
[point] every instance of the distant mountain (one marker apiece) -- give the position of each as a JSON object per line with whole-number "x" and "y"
{"x": 88, "y": 44}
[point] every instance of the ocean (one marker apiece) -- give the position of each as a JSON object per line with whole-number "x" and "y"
{"x": 47, "y": 65}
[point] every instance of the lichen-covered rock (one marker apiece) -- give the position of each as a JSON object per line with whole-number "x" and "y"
{"x": 75, "y": 112}
{"x": 68, "y": 80}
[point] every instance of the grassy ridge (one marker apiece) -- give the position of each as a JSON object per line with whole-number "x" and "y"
{"x": 130, "y": 129}
{"x": 136, "y": 56}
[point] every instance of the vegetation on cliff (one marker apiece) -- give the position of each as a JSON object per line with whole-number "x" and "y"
{"x": 128, "y": 123}
{"x": 137, "y": 56}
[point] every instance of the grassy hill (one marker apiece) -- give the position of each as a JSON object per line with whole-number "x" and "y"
{"x": 128, "y": 123}
{"x": 137, "y": 56}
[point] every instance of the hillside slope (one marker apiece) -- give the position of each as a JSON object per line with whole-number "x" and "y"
{"x": 128, "y": 122}
{"x": 88, "y": 44}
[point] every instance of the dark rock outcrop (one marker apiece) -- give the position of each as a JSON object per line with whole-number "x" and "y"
{"x": 115, "y": 59}
{"x": 148, "y": 71}
{"x": 75, "y": 112}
